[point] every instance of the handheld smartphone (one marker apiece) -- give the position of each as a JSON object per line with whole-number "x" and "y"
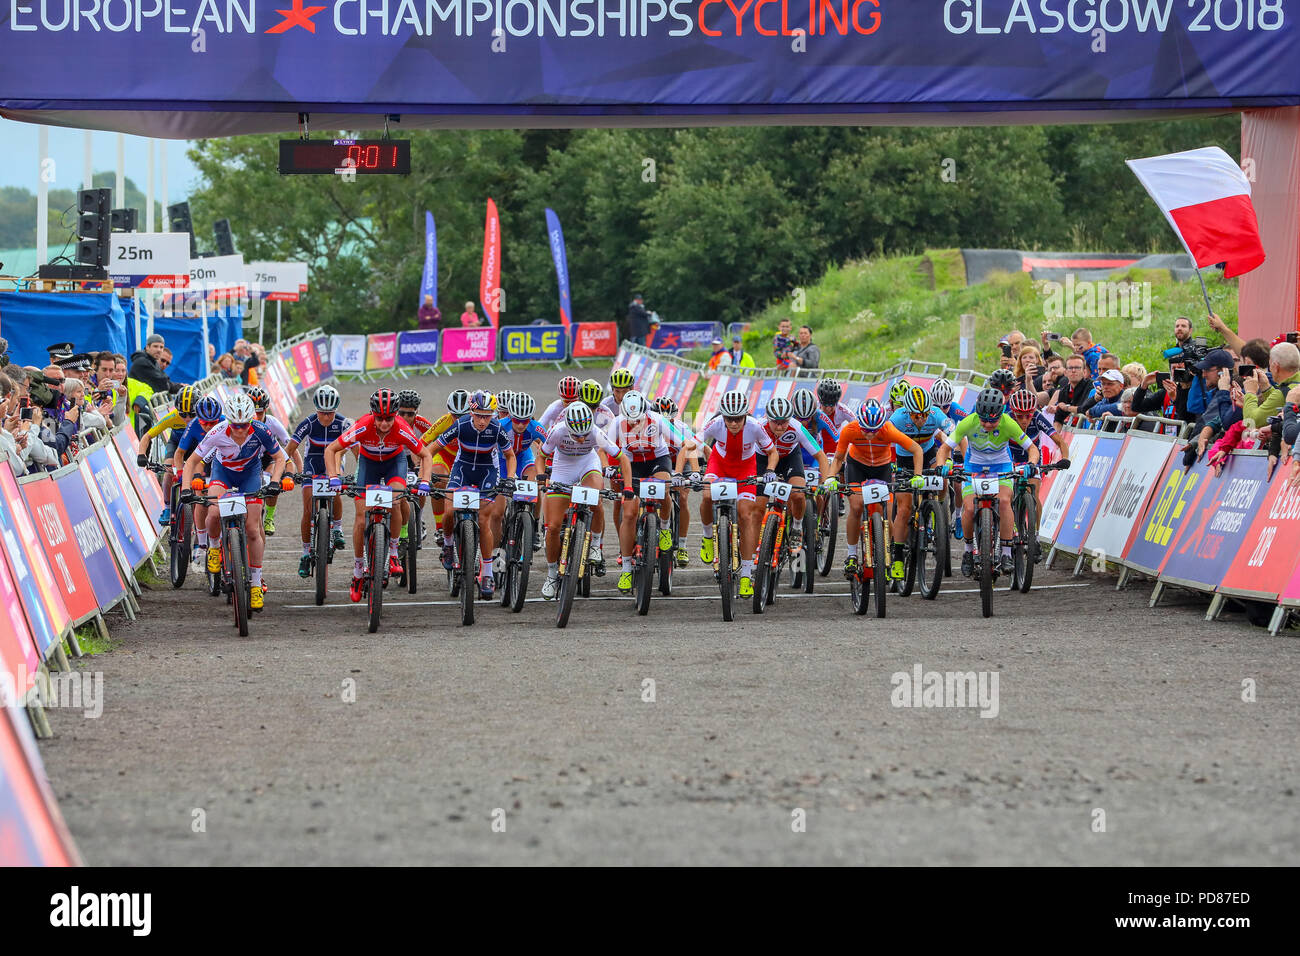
{"x": 1054, "y": 336}
{"x": 1006, "y": 349}
{"x": 1245, "y": 371}
{"x": 25, "y": 413}
{"x": 1162, "y": 377}
{"x": 1293, "y": 337}
{"x": 1182, "y": 376}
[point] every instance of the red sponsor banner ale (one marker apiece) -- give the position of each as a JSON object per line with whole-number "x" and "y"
{"x": 61, "y": 547}
{"x": 490, "y": 275}
{"x": 597, "y": 340}
{"x": 1267, "y": 559}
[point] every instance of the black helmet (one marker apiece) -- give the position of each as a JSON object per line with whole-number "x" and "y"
{"x": 990, "y": 404}
{"x": 1002, "y": 380}
{"x": 829, "y": 391}
{"x": 408, "y": 398}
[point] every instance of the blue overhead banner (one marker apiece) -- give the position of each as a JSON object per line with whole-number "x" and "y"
{"x": 636, "y": 57}
{"x": 429, "y": 278}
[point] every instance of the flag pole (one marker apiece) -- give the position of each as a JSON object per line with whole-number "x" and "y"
{"x": 1208, "y": 308}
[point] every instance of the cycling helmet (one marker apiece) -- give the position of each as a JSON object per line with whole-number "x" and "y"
{"x": 941, "y": 393}
{"x": 871, "y": 415}
{"x": 261, "y": 400}
{"x": 591, "y": 392}
{"x": 240, "y": 410}
{"x": 916, "y": 400}
{"x": 185, "y": 400}
{"x": 326, "y": 398}
{"x": 829, "y": 391}
{"x": 665, "y": 406}
{"x": 384, "y": 402}
{"x": 1002, "y": 380}
{"x": 633, "y": 406}
{"x": 503, "y": 398}
{"x": 521, "y": 405}
{"x": 482, "y": 401}
{"x": 408, "y": 398}
{"x": 621, "y": 378}
{"x": 569, "y": 388}
{"x": 734, "y": 403}
{"x": 579, "y": 419}
{"x": 897, "y": 391}
{"x": 989, "y": 405}
{"x": 805, "y": 404}
{"x": 208, "y": 410}
{"x": 778, "y": 409}
{"x": 1022, "y": 401}
{"x": 458, "y": 402}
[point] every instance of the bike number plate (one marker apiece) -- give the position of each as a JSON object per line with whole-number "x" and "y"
{"x": 320, "y": 488}
{"x": 231, "y": 505}
{"x": 875, "y": 493}
{"x": 780, "y": 490}
{"x": 985, "y": 485}
{"x": 932, "y": 483}
{"x": 582, "y": 495}
{"x": 412, "y": 479}
{"x": 379, "y": 497}
{"x": 812, "y": 477}
{"x": 654, "y": 490}
{"x": 723, "y": 491}
{"x": 525, "y": 491}
{"x": 465, "y": 499}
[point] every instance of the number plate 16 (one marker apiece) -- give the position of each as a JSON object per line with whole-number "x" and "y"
{"x": 379, "y": 497}
{"x": 320, "y": 488}
{"x": 465, "y": 499}
{"x": 984, "y": 485}
{"x": 231, "y": 505}
{"x": 779, "y": 490}
{"x": 723, "y": 491}
{"x": 875, "y": 493}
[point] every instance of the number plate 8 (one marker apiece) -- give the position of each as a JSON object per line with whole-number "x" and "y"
{"x": 582, "y": 495}
{"x": 779, "y": 490}
{"x": 723, "y": 491}
{"x": 465, "y": 498}
{"x": 984, "y": 485}
{"x": 231, "y": 505}
{"x": 379, "y": 497}
{"x": 653, "y": 490}
{"x": 320, "y": 488}
{"x": 875, "y": 493}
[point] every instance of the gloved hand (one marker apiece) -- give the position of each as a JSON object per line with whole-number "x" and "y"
{"x": 769, "y": 477}
{"x": 422, "y": 489}
{"x": 1031, "y": 470}
{"x": 916, "y": 481}
{"x": 187, "y": 496}
{"x": 628, "y": 494}
{"x": 830, "y": 483}
{"x": 196, "y": 483}
{"x": 945, "y": 469}
{"x": 613, "y": 471}
{"x": 336, "y": 483}
{"x": 286, "y": 483}
{"x": 678, "y": 481}
{"x": 1064, "y": 463}
{"x": 696, "y": 477}
{"x": 141, "y": 460}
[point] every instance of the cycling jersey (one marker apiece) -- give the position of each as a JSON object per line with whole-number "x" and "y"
{"x": 431, "y": 432}
{"x": 825, "y": 431}
{"x": 574, "y": 456}
{"x": 988, "y": 447}
{"x": 1038, "y": 431}
{"x": 645, "y": 440}
{"x": 874, "y": 448}
{"x": 554, "y": 412}
{"x": 477, "y": 447}
{"x": 838, "y": 417}
{"x": 675, "y": 433}
{"x": 754, "y": 438}
{"x": 370, "y": 444}
{"x": 192, "y": 435}
{"x": 955, "y": 412}
{"x": 792, "y": 439}
{"x": 234, "y": 455}
{"x": 611, "y": 406}
{"x": 315, "y": 436}
{"x": 925, "y": 433}
{"x": 522, "y": 443}
{"x": 421, "y": 424}
{"x": 277, "y": 430}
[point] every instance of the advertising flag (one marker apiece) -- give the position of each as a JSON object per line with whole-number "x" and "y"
{"x": 556, "y": 236}
{"x": 490, "y": 276}
{"x": 429, "y": 281}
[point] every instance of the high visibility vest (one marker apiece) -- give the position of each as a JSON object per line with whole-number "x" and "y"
{"x": 134, "y": 390}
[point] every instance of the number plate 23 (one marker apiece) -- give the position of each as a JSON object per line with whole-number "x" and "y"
{"x": 320, "y": 488}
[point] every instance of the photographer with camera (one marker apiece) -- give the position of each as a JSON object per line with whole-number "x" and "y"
{"x": 1266, "y": 393}
{"x": 1071, "y": 392}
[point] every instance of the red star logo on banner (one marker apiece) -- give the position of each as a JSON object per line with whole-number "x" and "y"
{"x": 299, "y": 16}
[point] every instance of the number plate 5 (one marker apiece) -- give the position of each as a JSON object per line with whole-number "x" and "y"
{"x": 985, "y": 486}
{"x": 320, "y": 488}
{"x": 653, "y": 490}
{"x": 379, "y": 497}
{"x": 465, "y": 498}
{"x": 525, "y": 491}
{"x": 875, "y": 493}
{"x": 231, "y": 505}
{"x": 582, "y": 495}
{"x": 779, "y": 490}
{"x": 723, "y": 491}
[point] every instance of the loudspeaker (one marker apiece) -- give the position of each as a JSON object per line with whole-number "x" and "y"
{"x": 93, "y": 225}
{"x": 225, "y": 241}
{"x": 178, "y": 215}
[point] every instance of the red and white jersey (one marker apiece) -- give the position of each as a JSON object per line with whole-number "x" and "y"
{"x": 368, "y": 443}
{"x": 559, "y": 441}
{"x": 754, "y": 438}
{"x": 839, "y": 416}
{"x": 554, "y": 412}
{"x": 645, "y": 440}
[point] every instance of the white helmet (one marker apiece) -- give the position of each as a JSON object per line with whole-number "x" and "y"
{"x": 521, "y": 405}
{"x": 633, "y": 406}
{"x": 326, "y": 398}
{"x": 579, "y": 418}
{"x": 734, "y": 403}
{"x": 240, "y": 409}
{"x": 458, "y": 402}
{"x": 805, "y": 404}
{"x": 941, "y": 393}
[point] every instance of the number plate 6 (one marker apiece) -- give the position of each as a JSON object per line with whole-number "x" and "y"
{"x": 985, "y": 485}
{"x": 525, "y": 491}
{"x": 582, "y": 495}
{"x": 231, "y": 505}
{"x": 875, "y": 493}
{"x": 779, "y": 490}
{"x": 723, "y": 491}
{"x": 379, "y": 497}
{"x": 654, "y": 490}
{"x": 320, "y": 488}
{"x": 932, "y": 483}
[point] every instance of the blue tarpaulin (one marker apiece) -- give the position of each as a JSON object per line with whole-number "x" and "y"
{"x": 91, "y": 321}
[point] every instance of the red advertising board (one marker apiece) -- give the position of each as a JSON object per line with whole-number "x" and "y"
{"x": 51, "y": 595}
{"x": 32, "y": 831}
{"x": 304, "y": 357}
{"x": 1267, "y": 558}
{"x": 19, "y": 657}
{"x": 594, "y": 339}
{"x": 61, "y": 548}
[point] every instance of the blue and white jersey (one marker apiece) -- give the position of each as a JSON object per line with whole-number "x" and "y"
{"x": 478, "y": 447}
{"x": 192, "y": 435}
{"x": 313, "y": 437}
{"x": 923, "y": 434}
{"x": 234, "y": 455}
{"x": 1039, "y": 429}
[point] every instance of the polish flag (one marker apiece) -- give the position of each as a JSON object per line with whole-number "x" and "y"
{"x": 1206, "y": 198}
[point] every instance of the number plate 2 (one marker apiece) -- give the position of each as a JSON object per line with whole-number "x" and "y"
{"x": 582, "y": 495}
{"x": 875, "y": 493}
{"x": 525, "y": 491}
{"x": 379, "y": 497}
{"x": 779, "y": 490}
{"x": 985, "y": 485}
{"x": 320, "y": 488}
{"x": 654, "y": 490}
{"x": 465, "y": 499}
{"x": 723, "y": 491}
{"x": 231, "y": 505}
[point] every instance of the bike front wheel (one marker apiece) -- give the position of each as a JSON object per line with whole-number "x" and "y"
{"x": 237, "y": 565}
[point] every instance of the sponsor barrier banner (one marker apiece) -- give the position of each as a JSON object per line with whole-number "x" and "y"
{"x": 1088, "y": 492}
{"x": 1175, "y": 497}
{"x": 533, "y": 343}
{"x": 381, "y": 351}
{"x": 1269, "y": 555}
{"x": 348, "y": 353}
{"x": 1058, "y": 497}
{"x": 418, "y": 348}
{"x": 32, "y": 831}
{"x": 97, "y": 472}
{"x": 304, "y": 357}
{"x": 596, "y": 340}
{"x": 37, "y": 562}
{"x": 291, "y": 372}
{"x": 19, "y": 657}
{"x": 323, "y": 358}
{"x": 148, "y": 529}
{"x": 146, "y": 482}
{"x": 46, "y": 613}
{"x": 1217, "y": 523}
{"x": 1132, "y": 486}
{"x": 62, "y": 551}
{"x": 461, "y": 346}
{"x": 490, "y": 274}
{"x": 280, "y": 400}
{"x": 683, "y": 336}
{"x": 91, "y": 539}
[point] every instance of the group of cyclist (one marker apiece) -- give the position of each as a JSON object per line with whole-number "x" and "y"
{"x": 586, "y": 437}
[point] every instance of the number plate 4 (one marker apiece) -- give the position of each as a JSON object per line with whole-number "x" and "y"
{"x": 377, "y": 497}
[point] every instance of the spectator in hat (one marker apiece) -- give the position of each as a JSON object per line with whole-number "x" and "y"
{"x": 1108, "y": 401}
{"x": 427, "y": 317}
{"x": 638, "y": 320}
{"x": 739, "y": 357}
{"x": 720, "y": 355}
{"x": 1200, "y": 395}
{"x": 145, "y": 367}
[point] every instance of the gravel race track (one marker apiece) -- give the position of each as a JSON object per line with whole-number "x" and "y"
{"x": 1103, "y": 704}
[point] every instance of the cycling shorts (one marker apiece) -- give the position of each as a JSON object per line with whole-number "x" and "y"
{"x": 314, "y": 465}
{"x": 719, "y": 467}
{"x": 571, "y": 469}
{"x": 391, "y": 471}
{"x": 855, "y": 472}
{"x": 444, "y": 460}
{"x": 173, "y": 443}
{"x": 1002, "y": 468}
{"x": 790, "y": 466}
{"x": 482, "y": 477}
{"x": 647, "y": 469}
{"x": 523, "y": 461}
{"x": 246, "y": 482}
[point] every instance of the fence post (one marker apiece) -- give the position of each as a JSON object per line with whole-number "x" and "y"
{"x": 966, "y": 344}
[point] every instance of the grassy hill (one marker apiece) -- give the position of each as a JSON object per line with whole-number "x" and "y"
{"x": 870, "y": 314}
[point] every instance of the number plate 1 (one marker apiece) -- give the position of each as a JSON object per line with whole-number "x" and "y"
{"x": 320, "y": 488}
{"x": 985, "y": 485}
{"x": 231, "y": 505}
{"x": 932, "y": 483}
{"x": 465, "y": 499}
{"x": 379, "y": 497}
{"x": 779, "y": 490}
{"x": 525, "y": 491}
{"x": 723, "y": 491}
{"x": 654, "y": 490}
{"x": 582, "y": 495}
{"x": 875, "y": 493}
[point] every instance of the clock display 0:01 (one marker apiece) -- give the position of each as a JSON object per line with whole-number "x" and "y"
{"x": 365, "y": 156}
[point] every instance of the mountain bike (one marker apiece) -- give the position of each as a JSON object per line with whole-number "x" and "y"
{"x": 773, "y": 549}
{"x": 180, "y": 528}
{"x": 668, "y": 559}
{"x": 380, "y": 501}
{"x": 463, "y": 575}
{"x": 517, "y": 547}
{"x": 646, "y": 556}
{"x": 926, "y": 552}
{"x": 233, "y": 578}
{"x": 872, "y": 576}
{"x": 827, "y": 527}
{"x": 408, "y": 548}
{"x": 1024, "y": 509}
{"x": 575, "y": 542}
{"x": 726, "y": 538}
{"x": 322, "y": 502}
{"x": 802, "y": 565}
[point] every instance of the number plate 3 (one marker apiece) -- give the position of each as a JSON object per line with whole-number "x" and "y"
{"x": 465, "y": 499}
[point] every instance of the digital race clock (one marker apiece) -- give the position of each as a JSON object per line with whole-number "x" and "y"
{"x": 343, "y": 156}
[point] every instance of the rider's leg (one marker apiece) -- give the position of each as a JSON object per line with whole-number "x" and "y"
{"x": 555, "y": 508}
{"x": 750, "y": 513}
{"x": 968, "y": 517}
{"x": 1006, "y": 523}
{"x": 256, "y": 544}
